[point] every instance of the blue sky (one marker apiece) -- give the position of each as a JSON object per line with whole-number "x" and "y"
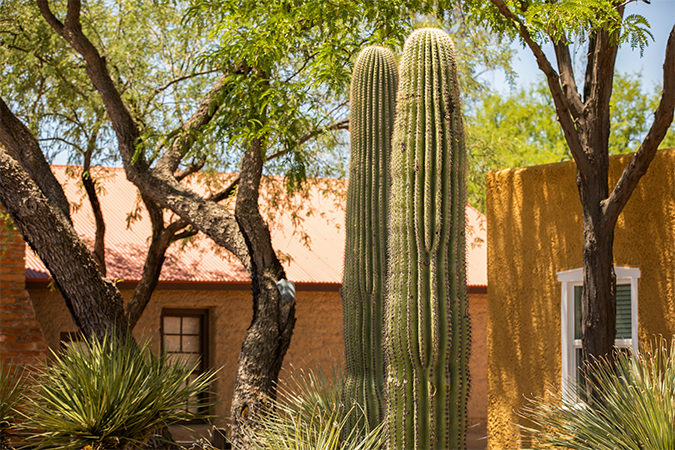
{"x": 661, "y": 16}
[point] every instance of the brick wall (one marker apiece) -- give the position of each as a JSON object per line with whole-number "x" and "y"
{"x": 22, "y": 342}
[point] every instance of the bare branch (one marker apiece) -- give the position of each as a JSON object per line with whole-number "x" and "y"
{"x": 638, "y": 166}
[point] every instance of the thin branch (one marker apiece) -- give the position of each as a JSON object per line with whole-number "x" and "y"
{"x": 194, "y": 167}
{"x": 341, "y": 125}
{"x": 639, "y": 164}
{"x": 227, "y": 192}
{"x": 184, "y": 77}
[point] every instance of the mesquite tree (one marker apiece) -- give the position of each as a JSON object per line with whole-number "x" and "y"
{"x": 427, "y": 325}
{"x": 373, "y": 102}
{"x": 584, "y": 115}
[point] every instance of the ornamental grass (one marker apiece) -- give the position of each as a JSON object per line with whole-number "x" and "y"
{"x": 309, "y": 415}
{"x": 111, "y": 394}
{"x": 636, "y": 411}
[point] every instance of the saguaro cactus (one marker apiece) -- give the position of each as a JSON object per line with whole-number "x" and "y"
{"x": 373, "y": 97}
{"x": 427, "y": 326}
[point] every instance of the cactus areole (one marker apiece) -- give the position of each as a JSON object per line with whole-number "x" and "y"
{"x": 427, "y": 326}
{"x": 373, "y": 97}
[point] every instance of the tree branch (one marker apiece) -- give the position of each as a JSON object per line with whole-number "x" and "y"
{"x": 227, "y": 192}
{"x": 663, "y": 117}
{"x": 24, "y": 148}
{"x": 341, "y": 125}
{"x": 559, "y": 99}
{"x": 210, "y": 218}
{"x": 194, "y": 167}
{"x": 182, "y": 78}
{"x": 569, "y": 85}
{"x": 94, "y": 302}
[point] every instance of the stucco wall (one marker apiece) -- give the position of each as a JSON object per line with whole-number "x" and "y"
{"x": 535, "y": 231}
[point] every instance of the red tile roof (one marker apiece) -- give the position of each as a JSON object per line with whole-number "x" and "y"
{"x": 311, "y": 253}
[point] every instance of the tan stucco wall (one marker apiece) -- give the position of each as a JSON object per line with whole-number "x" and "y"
{"x": 477, "y": 407}
{"x": 317, "y": 337}
{"x": 534, "y": 231}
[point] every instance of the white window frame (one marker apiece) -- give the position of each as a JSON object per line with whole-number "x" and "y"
{"x": 571, "y": 278}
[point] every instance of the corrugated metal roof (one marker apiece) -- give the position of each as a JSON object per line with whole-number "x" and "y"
{"x": 311, "y": 252}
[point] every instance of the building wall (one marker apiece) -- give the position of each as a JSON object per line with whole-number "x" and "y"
{"x": 317, "y": 338}
{"x": 21, "y": 340}
{"x": 535, "y": 231}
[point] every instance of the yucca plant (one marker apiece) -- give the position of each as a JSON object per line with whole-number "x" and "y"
{"x": 308, "y": 414}
{"x": 111, "y": 394}
{"x": 636, "y": 408}
{"x": 11, "y": 390}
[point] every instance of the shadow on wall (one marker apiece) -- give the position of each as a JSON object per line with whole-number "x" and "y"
{"x": 535, "y": 231}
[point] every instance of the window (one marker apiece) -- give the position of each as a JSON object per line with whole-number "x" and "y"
{"x": 570, "y": 314}
{"x": 184, "y": 338}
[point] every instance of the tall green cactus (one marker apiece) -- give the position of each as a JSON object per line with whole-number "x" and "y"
{"x": 373, "y": 97}
{"x": 427, "y": 326}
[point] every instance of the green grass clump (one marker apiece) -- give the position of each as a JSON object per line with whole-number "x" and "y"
{"x": 637, "y": 408}
{"x": 309, "y": 414}
{"x": 110, "y": 394}
{"x": 11, "y": 390}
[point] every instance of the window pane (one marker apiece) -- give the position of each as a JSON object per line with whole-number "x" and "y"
{"x": 191, "y": 325}
{"x": 172, "y": 325}
{"x": 577, "y": 312}
{"x": 623, "y": 312}
{"x": 191, "y": 344}
{"x": 172, "y": 343}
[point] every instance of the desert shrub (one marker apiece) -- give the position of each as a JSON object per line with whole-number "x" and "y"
{"x": 636, "y": 411}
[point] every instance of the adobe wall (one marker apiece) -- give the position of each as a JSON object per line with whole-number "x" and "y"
{"x": 21, "y": 340}
{"x": 535, "y": 231}
{"x": 317, "y": 337}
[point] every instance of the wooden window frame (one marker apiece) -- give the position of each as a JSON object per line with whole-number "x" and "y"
{"x": 203, "y": 314}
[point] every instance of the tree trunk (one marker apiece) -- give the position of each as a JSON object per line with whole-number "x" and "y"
{"x": 95, "y": 304}
{"x": 598, "y": 300}
{"x": 269, "y": 334}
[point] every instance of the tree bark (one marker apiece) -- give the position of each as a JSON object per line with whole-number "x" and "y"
{"x": 94, "y": 302}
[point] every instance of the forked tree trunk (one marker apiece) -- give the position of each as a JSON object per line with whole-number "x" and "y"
{"x": 269, "y": 334}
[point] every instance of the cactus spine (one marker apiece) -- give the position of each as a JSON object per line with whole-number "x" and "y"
{"x": 373, "y": 97}
{"x": 427, "y": 327}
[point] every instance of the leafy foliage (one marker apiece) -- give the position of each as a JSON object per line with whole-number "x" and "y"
{"x": 566, "y": 20}
{"x": 309, "y": 414}
{"x": 46, "y": 84}
{"x": 637, "y": 408}
{"x": 109, "y": 394}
